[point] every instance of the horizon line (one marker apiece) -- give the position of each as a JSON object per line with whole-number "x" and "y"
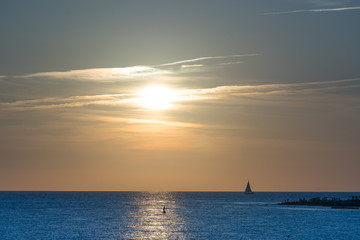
{"x": 163, "y": 191}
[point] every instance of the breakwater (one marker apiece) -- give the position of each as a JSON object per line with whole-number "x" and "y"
{"x": 353, "y": 202}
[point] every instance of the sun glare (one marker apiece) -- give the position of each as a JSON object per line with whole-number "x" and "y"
{"x": 157, "y": 97}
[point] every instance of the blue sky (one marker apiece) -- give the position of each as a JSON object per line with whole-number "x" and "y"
{"x": 261, "y": 91}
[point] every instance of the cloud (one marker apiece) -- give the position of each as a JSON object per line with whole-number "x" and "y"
{"x": 230, "y": 63}
{"x": 207, "y": 58}
{"x": 97, "y": 74}
{"x": 133, "y": 72}
{"x": 284, "y": 88}
{"x": 184, "y": 95}
{"x": 74, "y": 101}
{"x": 192, "y": 66}
{"x": 315, "y": 10}
{"x": 167, "y": 123}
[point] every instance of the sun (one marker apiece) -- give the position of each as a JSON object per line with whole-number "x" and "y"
{"x": 157, "y": 97}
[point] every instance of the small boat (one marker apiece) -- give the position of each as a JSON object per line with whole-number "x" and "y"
{"x": 164, "y": 211}
{"x": 248, "y": 189}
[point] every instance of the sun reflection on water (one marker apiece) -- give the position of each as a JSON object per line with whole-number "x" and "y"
{"x": 149, "y": 221}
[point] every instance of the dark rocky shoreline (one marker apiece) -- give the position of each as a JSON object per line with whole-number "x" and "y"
{"x": 353, "y": 202}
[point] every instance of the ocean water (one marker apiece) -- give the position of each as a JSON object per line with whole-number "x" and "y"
{"x": 190, "y": 215}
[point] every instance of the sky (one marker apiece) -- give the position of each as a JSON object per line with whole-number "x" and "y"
{"x": 186, "y": 95}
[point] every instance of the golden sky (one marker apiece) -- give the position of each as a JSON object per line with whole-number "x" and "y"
{"x": 163, "y": 101}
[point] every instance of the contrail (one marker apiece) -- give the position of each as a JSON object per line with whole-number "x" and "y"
{"x": 316, "y": 10}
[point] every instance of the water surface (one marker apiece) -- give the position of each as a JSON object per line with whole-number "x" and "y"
{"x": 189, "y": 215}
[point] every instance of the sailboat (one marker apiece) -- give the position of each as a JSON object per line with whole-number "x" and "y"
{"x": 248, "y": 189}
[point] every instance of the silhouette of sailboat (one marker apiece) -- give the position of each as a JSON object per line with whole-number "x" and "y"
{"x": 248, "y": 189}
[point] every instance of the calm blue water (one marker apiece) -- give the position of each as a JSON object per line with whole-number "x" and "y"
{"x": 190, "y": 215}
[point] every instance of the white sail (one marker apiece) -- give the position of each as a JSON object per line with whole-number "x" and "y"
{"x": 248, "y": 188}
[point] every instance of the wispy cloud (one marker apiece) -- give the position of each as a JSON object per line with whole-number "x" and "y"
{"x": 97, "y": 73}
{"x": 133, "y": 72}
{"x": 159, "y": 122}
{"x": 133, "y": 100}
{"x": 315, "y": 10}
{"x": 230, "y": 63}
{"x": 192, "y": 66}
{"x": 285, "y": 88}
{"x": 74, "y": 101}
{"x": 207, "y": 58}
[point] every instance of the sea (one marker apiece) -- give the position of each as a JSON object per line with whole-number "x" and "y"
{"x": 189, "y": 215}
